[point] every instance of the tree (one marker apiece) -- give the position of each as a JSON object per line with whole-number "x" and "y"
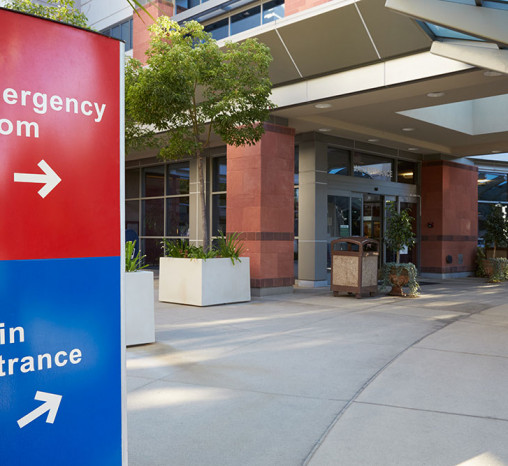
{"x": 399, "y": 230}
{"x": 59, "y": 10}
{"x": 497, "y": 228}
{"x": 191, "y": 89}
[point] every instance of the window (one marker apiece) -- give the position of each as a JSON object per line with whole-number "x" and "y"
{"x": 338, "y": 161}
{"x": 356, "y": 216}
{"x": 492, "y": 187}
{"x": 296, "y": 181}
{"x": 177, "y": 216}
{"x": 178, "y": 179}
{"x": 406, "y": 172}
{"x": 132, "y": 216}
{"x": 219, "y": 186}
{"x": 177, "y": 200}
{"x": 219, "y": 30}
{"x": 338, "y": 216}
{"x": 132, "y": 183}
{"x": 153, "y": 181}
{"x": 183, "y": 5}
{"x": 372, "y": 167}
{"x": 296, "y": 200}
{"x": 153, "y": 217}
{"x": 157, "y": 205}
{"x": 273, "y": 10}
{"x": 121, "y": 31}
{"x": 246, "y": 19}
{"x": 492, "y": 190}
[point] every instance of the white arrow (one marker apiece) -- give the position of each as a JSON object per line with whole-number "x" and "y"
{"x": 52, "y": 403}
{"x": 50, "y": 179}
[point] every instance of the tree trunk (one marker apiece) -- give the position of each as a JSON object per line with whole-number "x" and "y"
{"x": 202, "y": 198}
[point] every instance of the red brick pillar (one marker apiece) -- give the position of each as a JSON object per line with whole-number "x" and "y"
{"x": 260, "y": 206}
{"x": 295, "y": 6}
{"x": 449, "y": 219}
{"x": 141, "y": 22}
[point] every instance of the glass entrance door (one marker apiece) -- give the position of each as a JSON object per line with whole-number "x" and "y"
{"x": 373, "y": 216}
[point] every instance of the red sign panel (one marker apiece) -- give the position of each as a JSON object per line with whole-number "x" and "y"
{"x": 59, "y": 126}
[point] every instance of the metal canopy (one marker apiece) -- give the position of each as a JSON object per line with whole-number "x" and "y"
{"x": 370, "y": 70}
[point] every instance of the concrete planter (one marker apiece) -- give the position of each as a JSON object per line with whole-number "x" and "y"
{"x": 139, "y": 308}
{"x": 200, "y": 282}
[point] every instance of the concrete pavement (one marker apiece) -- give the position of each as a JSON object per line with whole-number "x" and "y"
{"x": 310, "y": 379}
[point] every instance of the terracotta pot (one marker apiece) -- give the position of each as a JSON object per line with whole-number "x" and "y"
{"x": 398, "y": 281}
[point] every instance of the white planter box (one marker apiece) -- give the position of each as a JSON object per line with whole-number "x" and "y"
{"x": 200, "y": 282}
{"x": 139, "y": 308}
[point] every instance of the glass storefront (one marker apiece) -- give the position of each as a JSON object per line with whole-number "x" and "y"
{"x": 492, "y": 190}
{"x": 366, "y": 216}
{"x": 364, "y": 213}
{"x": 158, "y": 203}
{"x": 218, "y": 195}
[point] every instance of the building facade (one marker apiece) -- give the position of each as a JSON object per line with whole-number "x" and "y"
{"x": 378, "y": 102}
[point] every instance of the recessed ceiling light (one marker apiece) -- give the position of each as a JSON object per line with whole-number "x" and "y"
{"x": 435, "y": 94}
{"x": 373, "y": 140}
{"x": 408, "y": 129}
{"x": 323, "y": 105}
{"x": 413, "y": 148}
{"x": 495, "y": 151}
{"x": 325, "y": 130}
{"x": 492, "y": 73}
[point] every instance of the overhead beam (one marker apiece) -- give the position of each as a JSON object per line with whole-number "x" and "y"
{"x": 485, "y": 23}
{"x": 490, "y": 58}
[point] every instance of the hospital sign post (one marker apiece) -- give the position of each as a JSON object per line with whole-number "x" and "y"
{"x": 61, "y": 253}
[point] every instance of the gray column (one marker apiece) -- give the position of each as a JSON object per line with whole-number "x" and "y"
{"x": 312, "y": 241}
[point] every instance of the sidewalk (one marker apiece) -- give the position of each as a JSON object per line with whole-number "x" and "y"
{"x": 307, "y": 378}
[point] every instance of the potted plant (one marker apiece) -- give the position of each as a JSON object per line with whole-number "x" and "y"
{"x": 190, "y": 275}
{"x": 496, "y": 235}
{"x": 139, "y": 299}
{"x": 399, "y": 235}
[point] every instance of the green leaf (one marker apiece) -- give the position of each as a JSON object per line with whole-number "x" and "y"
{"x": 192, "y": 89}
{"x": 64, "y": 11}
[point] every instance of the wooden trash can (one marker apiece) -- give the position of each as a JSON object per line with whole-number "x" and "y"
{"x": 354, "y": 266}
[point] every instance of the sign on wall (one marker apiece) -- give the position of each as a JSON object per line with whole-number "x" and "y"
{"x": 60, "y": 245}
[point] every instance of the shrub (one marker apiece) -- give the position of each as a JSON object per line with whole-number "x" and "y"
{"x": 228, "y": 246}
{"x": 133, "y": 262}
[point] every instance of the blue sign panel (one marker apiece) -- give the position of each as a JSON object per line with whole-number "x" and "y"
{"x": 59, "y": 396}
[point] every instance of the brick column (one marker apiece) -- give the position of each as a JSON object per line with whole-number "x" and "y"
{"x": 295, "y": 6}
{"x": 449, "y": 220}
{"x": 141, "y": 22}
{"x": 260, "y": 206}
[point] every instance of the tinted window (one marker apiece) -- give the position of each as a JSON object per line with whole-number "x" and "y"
{"x": 492, "y": 187}
{"x": 178, "y": 178}
{"x": 372, "y": 167}
{"x": 218, "y": 30}
{"x": 245, "y": 20}
{"x": 406, "y": 172}
{"x": 153, "y": 181}
{"x": 338, "y": 161}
